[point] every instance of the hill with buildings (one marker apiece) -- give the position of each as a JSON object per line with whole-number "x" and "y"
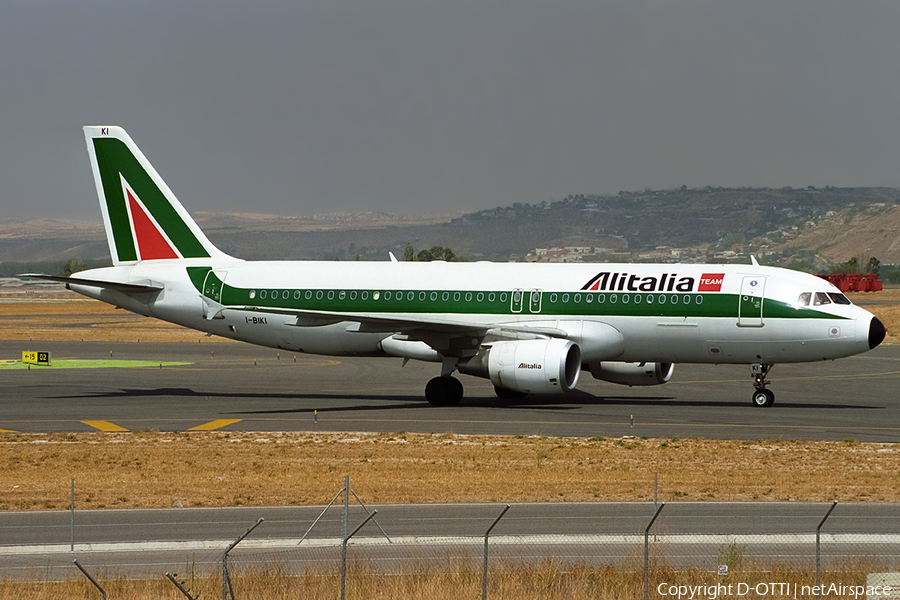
{"x": 805, "y": 228}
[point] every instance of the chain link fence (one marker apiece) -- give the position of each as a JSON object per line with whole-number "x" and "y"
{"x": 620, "y": 552}
{"x": 600, "y": 550}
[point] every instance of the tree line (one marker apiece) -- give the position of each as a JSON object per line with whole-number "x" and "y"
{"x": 434, "y": 253}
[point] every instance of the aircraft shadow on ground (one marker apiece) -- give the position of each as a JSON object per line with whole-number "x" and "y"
{"x": 407, "y": 401}
{"x": 572, "y": 401}
{"x": 577, "y": 398}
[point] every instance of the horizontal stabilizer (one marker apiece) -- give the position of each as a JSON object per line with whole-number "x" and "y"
{"x": 133, "y": 287}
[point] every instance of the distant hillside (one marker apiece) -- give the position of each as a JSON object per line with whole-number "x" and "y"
{"x": 860, "y": 231}
{"x": 683, "y": 218}
{"x": 815, "y": 224}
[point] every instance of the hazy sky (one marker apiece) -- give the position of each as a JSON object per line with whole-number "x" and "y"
{"x": 305, "y": 107}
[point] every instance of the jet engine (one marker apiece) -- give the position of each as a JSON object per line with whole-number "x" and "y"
{"x": 542, "y": 366}
{"x": 630, "y": 374}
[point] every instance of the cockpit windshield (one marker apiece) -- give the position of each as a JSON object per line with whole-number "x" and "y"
{"x": 822, "y": 298}
{"x": 839, "y": 298}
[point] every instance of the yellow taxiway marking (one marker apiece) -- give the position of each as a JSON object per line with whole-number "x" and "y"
{"x": 8, "y": 431}
{"x": 215, "y": 424}
{"x": 104, "y": 426}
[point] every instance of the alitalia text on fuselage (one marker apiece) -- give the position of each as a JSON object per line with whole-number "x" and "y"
{"x": 612, "y": 281}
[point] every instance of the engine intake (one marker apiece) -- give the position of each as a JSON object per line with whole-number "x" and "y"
{"x": 630, "y": 374}
{"x": 529, "y": 366}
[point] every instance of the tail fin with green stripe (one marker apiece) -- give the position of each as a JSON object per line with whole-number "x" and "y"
{"x": 143, "y": 218}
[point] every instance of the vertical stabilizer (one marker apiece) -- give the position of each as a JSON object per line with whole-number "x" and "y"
{"x": 143, "y": 218}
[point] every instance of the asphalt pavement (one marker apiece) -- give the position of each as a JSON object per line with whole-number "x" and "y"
{"x": 241, "y": 387}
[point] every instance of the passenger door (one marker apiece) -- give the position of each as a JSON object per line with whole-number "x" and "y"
{"x": 750, "y": 302}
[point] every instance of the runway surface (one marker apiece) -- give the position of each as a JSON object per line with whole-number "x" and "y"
{"x": 241, "y": 387}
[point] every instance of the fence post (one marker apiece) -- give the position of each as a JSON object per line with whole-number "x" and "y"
{"x": 647, "y": 551}
{"x": 346, "y": 520}
{"x": 180, "y": 587}
{"x": 88, "y": 575}
{"x": 486, "y": 534}
{"x": 226, "y": 579}
{"x": 344, "y": 551}
{"x": 818, "y": 553}
{"x": 72, "y": 545}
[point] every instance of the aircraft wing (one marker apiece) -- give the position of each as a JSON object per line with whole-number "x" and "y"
{"x": 374, "y": 323}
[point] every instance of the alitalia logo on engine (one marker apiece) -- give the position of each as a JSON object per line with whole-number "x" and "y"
{"x": 667, "y": 282}
{"x": 530, "y": 366}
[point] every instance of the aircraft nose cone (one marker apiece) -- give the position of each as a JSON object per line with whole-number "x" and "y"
{"x": 877, "y": 332}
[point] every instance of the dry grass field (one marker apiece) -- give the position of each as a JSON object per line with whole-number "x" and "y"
{"x": 152, "y": 469}
{"x": 545, "y": 581}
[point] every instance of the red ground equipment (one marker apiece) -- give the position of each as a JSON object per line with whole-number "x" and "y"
{"x": 854, "y": 282}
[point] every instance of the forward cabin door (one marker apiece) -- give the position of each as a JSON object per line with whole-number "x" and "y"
{"x": 750, "y": 302}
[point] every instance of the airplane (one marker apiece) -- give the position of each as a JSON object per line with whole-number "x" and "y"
{"x": 530, "y": 328}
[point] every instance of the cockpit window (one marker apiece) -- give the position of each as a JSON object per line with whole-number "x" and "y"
{"x": 804, "y": 299}
{"x": 838, "y": 298}
{"x": 820, "y": 299}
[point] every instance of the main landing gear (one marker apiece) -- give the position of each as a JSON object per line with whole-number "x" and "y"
{"x": 444, "y": 391}
{"x": 761, "y": 396}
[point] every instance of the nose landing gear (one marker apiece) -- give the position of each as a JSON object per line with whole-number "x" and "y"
{"x": 761, "y": 395}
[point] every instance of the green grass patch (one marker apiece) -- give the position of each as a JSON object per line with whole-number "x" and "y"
{"x": 76, "y": 363}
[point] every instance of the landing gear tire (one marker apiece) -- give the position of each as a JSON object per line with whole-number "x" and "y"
{"x": 763, "y": 398}
{"x": 444, "y": 391}
{"x": 508, "y": 394}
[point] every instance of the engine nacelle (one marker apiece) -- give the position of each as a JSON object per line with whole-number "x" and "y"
{"x": 630, "y": 374}
{"x": 530, "y": 366}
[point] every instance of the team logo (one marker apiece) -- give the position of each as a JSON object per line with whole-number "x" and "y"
{"x": 711, "y": 282}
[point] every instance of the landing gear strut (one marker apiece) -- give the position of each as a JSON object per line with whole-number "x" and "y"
{"x": 761, "y": 396}
{"x": 444, "y": 391}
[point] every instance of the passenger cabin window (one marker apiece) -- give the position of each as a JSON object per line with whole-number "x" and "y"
{"x": 804, "y": 299}
{"x": 821, "y": 298}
